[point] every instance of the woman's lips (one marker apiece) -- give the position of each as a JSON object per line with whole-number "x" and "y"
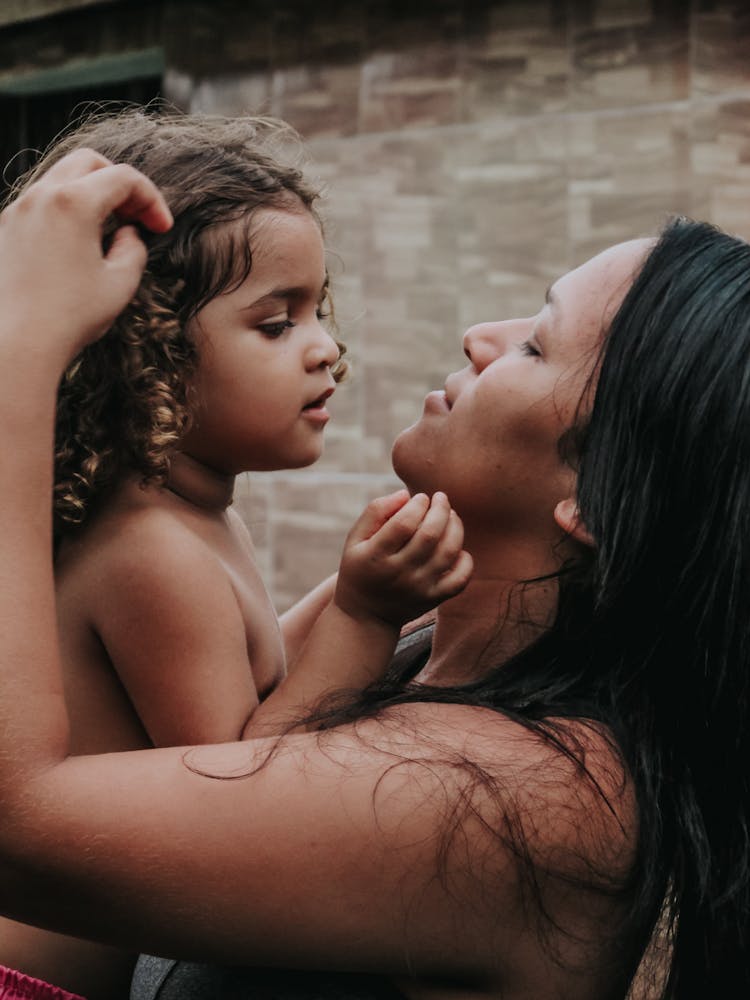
{"x": 437, "y": 402}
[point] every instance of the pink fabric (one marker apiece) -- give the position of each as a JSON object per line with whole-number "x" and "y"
{"x": 16, "y": 986}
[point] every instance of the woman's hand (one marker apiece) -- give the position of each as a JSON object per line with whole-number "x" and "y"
{"x": 59, "y": 289}
{"x": 402, "y": 558}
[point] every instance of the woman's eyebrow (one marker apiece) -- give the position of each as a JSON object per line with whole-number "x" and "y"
{"x": 550, "y": 297}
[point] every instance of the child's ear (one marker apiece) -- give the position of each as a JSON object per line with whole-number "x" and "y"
{"x": 568, "y": 517}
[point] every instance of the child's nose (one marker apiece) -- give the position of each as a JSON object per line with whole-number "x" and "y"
{"x": 324, "y": 351}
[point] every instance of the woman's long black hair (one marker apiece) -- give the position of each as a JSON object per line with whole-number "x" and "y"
{"x": 652, "y": 634}
{"x": 664, "y": 488}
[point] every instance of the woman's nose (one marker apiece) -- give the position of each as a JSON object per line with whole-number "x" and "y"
{"x": 486, "y": 342}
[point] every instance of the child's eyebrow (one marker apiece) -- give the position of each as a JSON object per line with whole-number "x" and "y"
{"x": 285, "y": 294}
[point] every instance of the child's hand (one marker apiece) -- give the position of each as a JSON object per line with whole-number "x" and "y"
{"x": 401, "y": 558}
{"x": 58, "y": 288}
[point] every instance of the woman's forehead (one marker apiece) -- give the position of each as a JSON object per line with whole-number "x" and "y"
{"x": 590, "y": 295}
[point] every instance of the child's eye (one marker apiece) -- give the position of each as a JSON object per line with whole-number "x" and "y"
{"x": 324, "y": 308}
{"x": 274, "y": 330}
{"x": 322, "y": 312}
{"x": 528, "y": 348}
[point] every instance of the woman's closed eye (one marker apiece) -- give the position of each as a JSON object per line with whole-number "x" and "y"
{"x": 529, "y": 348}
{"x": 275, "y": 329}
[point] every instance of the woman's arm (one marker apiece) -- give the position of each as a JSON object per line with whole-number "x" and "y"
{"x": 58, "y": 291}
{"x": 326, "y": 857}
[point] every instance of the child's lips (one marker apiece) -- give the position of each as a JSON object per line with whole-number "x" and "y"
{"x": 316, "y": 408}
{"x": 319, "y": 400}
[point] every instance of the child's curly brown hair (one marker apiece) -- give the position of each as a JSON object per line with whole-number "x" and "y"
{"x": 125, "y": 402}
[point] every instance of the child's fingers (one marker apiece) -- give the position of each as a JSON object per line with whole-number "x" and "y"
{"x": 444, "y": 553}
{"x": 376, "y": 514}
{"x": 431, "y": 533}
{"x": 398, "y": 530}
{"x": 455, "y": 579}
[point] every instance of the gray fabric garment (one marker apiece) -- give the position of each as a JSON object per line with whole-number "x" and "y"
{"x": 165, "y": 979}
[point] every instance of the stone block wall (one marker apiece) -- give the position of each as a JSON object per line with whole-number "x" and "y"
{"x": 471, "y": 152}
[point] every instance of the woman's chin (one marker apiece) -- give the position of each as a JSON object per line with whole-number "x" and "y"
{"x": 405, "y": 461}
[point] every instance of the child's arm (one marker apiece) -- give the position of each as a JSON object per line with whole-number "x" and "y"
{"x": 403, "y": 557}
{"x": 297, "y": 622}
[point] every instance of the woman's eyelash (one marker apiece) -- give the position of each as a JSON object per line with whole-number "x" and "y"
{"x": 275, "y": 329}
{"x": 530, "y": 349}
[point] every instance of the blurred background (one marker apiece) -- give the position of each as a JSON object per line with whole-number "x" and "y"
{"x": 471, "y": 152}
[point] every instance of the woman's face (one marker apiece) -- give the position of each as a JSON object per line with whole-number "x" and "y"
{"x": 491, "y": 439}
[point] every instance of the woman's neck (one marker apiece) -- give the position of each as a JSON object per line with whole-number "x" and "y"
{"x": 198, "y": 484}
{"x": 497, "y": 615}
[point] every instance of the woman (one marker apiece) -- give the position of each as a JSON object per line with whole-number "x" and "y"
{"x": 511, "y": 832}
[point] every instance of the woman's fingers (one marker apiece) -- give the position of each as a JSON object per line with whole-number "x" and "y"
{"x": 125, "y": 192}
{"x": 74, "y": 165}
{"x": 51, "y": 259}
{"x": 124, "y": 263}
{"x": 108, "y": 188}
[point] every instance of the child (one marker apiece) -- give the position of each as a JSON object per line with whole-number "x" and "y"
{"x": 220, "y": 365}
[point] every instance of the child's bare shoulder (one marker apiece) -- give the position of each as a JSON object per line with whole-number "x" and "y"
{"x": 129, "y": 547}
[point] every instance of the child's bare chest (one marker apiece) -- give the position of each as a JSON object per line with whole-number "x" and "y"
{"x": 231, "y": 545}
{"x": 222, "y": 559}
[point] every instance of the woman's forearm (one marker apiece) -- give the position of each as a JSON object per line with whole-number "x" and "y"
{"x": 58, "y": 291}
{"x": 29, "y": 669}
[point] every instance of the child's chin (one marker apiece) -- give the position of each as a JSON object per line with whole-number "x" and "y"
{"x": 310, "y": 459}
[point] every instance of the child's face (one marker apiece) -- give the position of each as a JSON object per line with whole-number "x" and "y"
{"x": 265, "y": 358}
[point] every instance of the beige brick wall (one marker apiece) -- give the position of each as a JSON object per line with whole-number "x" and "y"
{"x": 471, "y": 156}
{"x": 472, "y": 152}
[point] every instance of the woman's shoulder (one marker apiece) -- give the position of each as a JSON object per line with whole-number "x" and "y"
{"x": 562, "y": 785}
